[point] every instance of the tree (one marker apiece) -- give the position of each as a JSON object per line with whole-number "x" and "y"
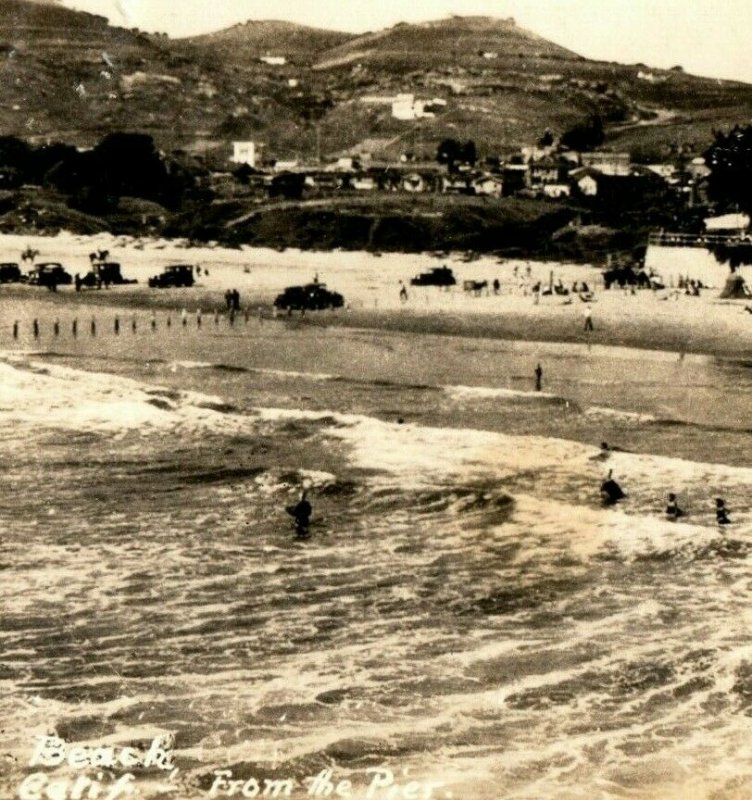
{"x": 15, "y": 159}
{"x": 449, "y": 153}
{"x": 585, "y": 136}
{"x": 288, "y": 185}
{"x": 547, "y": 139}
{"x": 468, "y": 153}
{"x": 453, "y": 153}
{"x": 729, "y": 159}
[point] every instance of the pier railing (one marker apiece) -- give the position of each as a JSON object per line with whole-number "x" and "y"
{"x": 663, "y": 239}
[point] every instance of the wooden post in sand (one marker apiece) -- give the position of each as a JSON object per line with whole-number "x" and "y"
{"x": 36, "y": 328}
{"x": 74, "y": 328}
{"x": 56, "y": 327}
{"x": 93, "y": 327}
{"x": 15, "y": 329}
{"x": 133, "y": 324}
{"x": 117, "y": 326}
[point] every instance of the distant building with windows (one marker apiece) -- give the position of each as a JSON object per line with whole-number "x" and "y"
{"x": 608, "y": 163}
{"x": 244, "y": 153}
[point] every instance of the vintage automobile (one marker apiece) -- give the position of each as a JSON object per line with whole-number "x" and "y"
{"x": 104, "y": 273}
{"x": 50, "y": 274}
{"x": 438, "y": 276}
{"x": 10, "y": 273}
{"x": 173, "y": 276}
{"x": 311, "y": 297}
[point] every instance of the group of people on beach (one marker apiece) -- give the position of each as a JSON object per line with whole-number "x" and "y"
{"x": 612, "y": 493}
{"x": 232, "y": 300}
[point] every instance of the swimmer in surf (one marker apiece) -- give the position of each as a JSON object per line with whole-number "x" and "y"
{"x": 611, "y": 492}
{"x": 721, "y": 514}
{"x": 301, "y": 513}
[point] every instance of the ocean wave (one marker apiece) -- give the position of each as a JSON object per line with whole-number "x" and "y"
{"x": 488, "y": 392}
{"x": 617, "y": 414}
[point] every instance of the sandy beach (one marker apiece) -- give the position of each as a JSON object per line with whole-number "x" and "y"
{"x": 663, "y": 320}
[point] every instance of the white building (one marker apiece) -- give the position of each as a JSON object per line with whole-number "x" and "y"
{"x": 244, "y": 153}
{"x": 273, "y": 61}
{"x": 406, "y": 107}
{"x": 558, "y": 190}
{"x": 727, "y": 223}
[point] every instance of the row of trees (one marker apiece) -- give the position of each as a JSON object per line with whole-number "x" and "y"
{"x": 122, "y": 164}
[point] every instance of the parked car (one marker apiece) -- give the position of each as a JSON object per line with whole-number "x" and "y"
{"x": 438, "y": 276}
{"x": 174, "y": 275}
{"x": 311, "y": 297}
{"x": 10, "y": 273}
{"x": 50, "y": 274}
{"x": 104, "y": 273}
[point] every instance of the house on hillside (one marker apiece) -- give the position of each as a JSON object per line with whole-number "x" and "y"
{"x": 414, "y": 183}
{"x": 608, "y": 163}
{"x": 697, "y": 168}
{"x": 546, "y": 170}
{"x": 619, "y": 190}
{"x": 406, "y": 107}
{"x": 244, "y": 153}
{"x": 364, "y": 183}
{"x": 727, "y": 223}
{"x": 515, "y": 178}
{"x": 488, "y": 185}
{"x": 556, "y": 191}
{"x": 665, "y": 171}
{"x": 586, "y": 180}
{"x": 286, "y": 166}
{"x": 273, "y": 61}
{"x": 455, "y": 184}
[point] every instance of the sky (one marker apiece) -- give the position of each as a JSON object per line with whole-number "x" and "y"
{"x": 706, "y": 37}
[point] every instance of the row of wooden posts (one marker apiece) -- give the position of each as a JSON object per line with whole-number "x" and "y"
{"x": 116, "y": 325}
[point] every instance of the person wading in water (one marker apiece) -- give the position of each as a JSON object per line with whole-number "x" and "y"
{"x": 301, "y": 513}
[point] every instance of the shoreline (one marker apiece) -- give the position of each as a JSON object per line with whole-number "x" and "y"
{"x": 681, "y": 333}
{"x": 647, "y": 320}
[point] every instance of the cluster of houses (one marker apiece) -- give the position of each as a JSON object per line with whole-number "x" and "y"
{"x": 540, "y": 172}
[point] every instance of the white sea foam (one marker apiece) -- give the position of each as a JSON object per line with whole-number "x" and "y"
{"x": 487, "y": 392}
{"x": 53, "y": 396}
{"x": 615, "y": 413}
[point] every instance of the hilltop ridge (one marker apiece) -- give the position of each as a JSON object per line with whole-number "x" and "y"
{"x": 68, "y": 75}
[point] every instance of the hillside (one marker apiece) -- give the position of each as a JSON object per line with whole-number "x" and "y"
{"x": 250, "y": 40}
{"x": 70, "y": 76}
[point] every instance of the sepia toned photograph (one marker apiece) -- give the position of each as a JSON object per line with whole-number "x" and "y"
{"x": 375, "y": 400}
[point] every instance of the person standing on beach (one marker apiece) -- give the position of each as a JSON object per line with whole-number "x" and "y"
{"x": 721, "y": 514}
{"x": 538, "y": 378}
{"x": 672, "y": 509}
{"x": 588, "y": 318}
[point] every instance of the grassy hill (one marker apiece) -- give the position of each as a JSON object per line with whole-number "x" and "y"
{"x": 250, "y": 40}
{"x": 70, "y": 76}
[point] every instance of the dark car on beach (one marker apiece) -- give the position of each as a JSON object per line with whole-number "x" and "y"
{"x": 105, "y": 273}
{"x": 438, "y": 276}
{"x": 312, "y": 297}
{"x": 50, "y": 274}
{"x": 10, "y": 273}
{"x": 173, "y": 276}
